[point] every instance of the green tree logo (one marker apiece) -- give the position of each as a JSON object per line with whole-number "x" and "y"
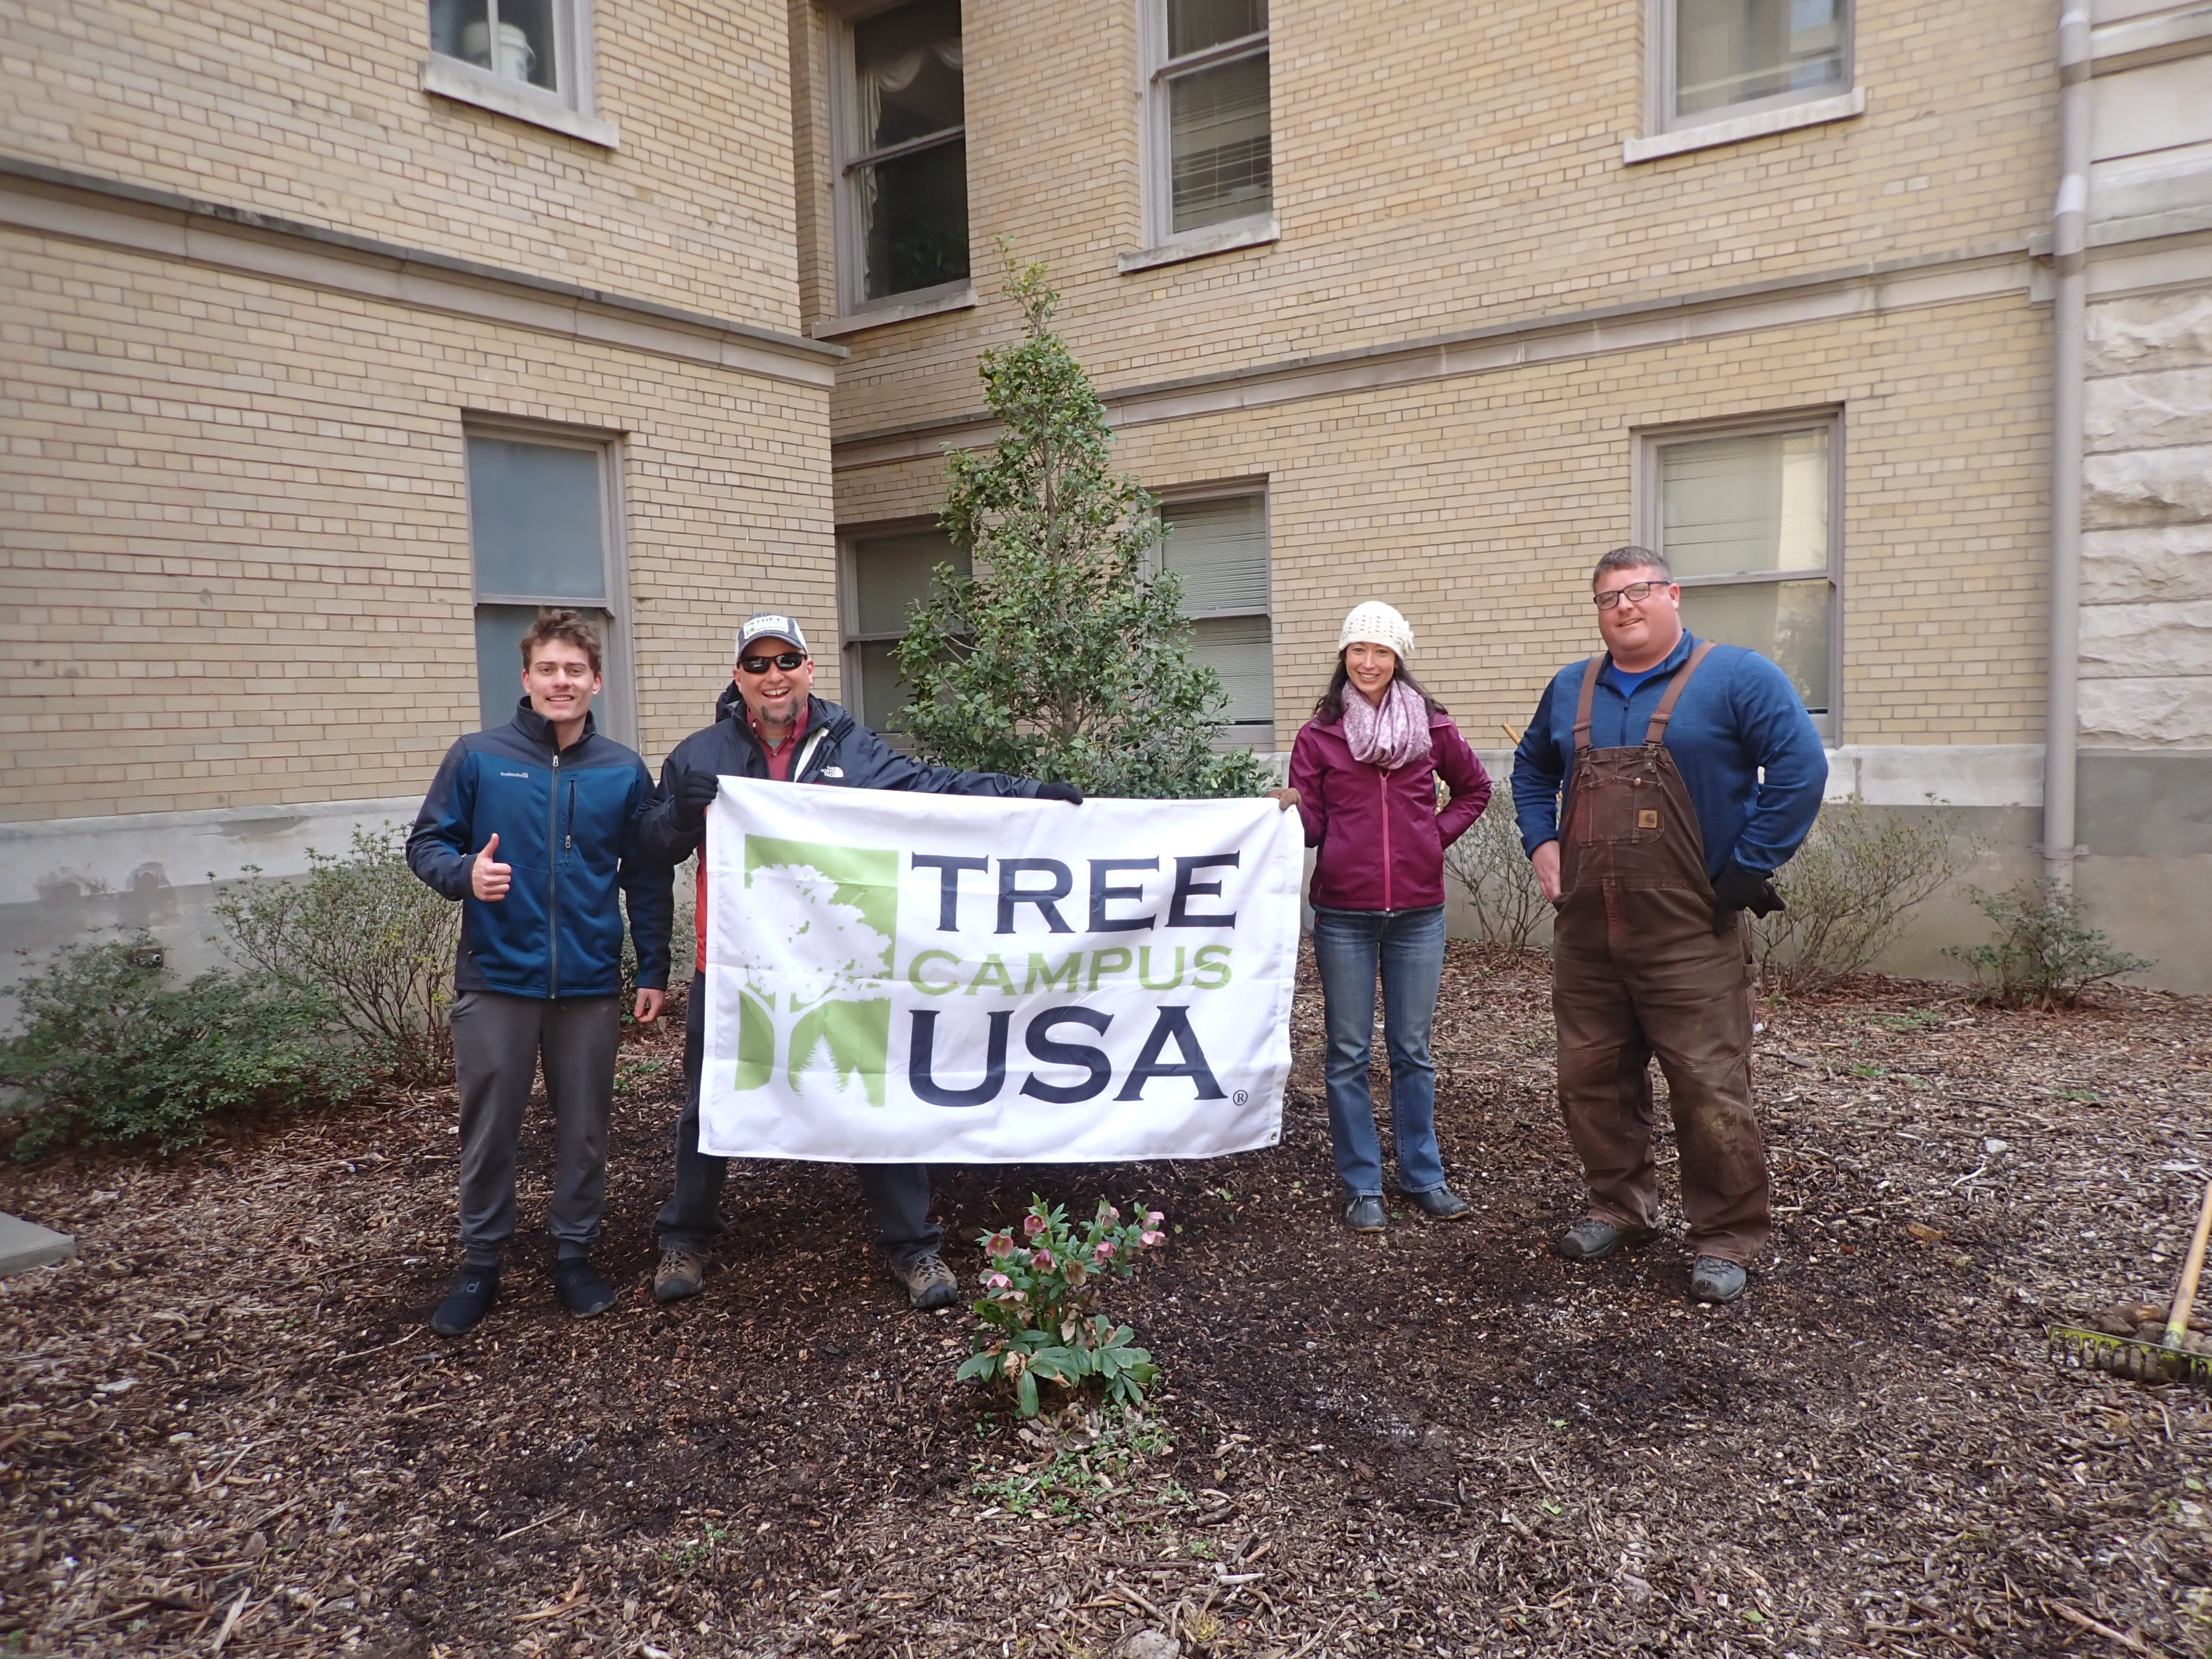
{"x": 819, "y": 928}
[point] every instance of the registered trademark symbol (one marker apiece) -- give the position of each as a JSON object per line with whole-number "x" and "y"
{"x": 1241, "y": 1097}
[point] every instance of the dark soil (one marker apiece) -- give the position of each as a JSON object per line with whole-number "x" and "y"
{"x": 225, "y": 1427}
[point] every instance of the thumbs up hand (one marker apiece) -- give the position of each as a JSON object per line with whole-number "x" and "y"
{"x": 487, "y": 878}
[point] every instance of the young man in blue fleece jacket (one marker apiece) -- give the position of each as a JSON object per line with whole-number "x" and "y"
{"x": 534, "y": 826}
{"x": 1691, "y": 772}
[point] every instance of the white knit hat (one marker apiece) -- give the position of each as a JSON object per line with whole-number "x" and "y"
{"x": 1376, "y": 623}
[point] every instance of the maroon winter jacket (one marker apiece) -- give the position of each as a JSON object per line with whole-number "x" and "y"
{"x": 1381, "y": 836}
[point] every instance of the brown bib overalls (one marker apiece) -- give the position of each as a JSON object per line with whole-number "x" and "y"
{"x": 1637, "y": 971}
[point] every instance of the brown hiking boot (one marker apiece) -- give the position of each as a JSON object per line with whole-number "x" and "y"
{"x": 679, "y": 1274}
{"x": 929, "y": 1283}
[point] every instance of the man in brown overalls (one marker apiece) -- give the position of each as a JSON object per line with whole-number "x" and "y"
{"x": 1691, "y": 773}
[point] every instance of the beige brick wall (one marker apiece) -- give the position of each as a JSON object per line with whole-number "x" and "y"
{"x": 1440, "y": 167}
{"x": 237, "y": 566}
{"x": 316, "y": 111}
{"x": 1477, "y": 503}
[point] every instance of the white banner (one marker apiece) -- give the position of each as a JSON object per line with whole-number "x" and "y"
{"x": 912, "y": 978}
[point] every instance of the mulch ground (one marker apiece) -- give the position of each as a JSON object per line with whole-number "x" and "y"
{"x": 227, "y": 1429}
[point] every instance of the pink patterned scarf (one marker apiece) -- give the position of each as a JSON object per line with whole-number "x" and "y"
{"x": 1392, "y": 736}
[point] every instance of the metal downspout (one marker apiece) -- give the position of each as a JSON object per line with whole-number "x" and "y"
{"x": 2069, "y": 332}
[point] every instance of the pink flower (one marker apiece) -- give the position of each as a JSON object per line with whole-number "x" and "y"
{"x": 1040, "y": 1259}
{"x": 999, "y": 1282}
{"x": 1104, "y": 1251}
{"x": 1153, "y": 1238}
{"x": 1113, "y": 1214}
{"x": 1153, "y": 1217}
{"x": 1001, "y": 1244}
{"x": 1032, "y": 1225}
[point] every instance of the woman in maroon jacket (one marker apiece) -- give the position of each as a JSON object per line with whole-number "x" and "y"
{"x": 1365, "y": 772}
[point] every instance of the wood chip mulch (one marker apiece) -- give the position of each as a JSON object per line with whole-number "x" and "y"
{"x": 225, "y": 1428}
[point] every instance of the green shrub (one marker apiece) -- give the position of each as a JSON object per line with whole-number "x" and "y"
{"x": 111, "y": 1051}
{"x": 2045, "y": 954}
{"x": 1848, "y": 889}
{"x": 364, "y": 937}
{"x": 1499, "y": 882}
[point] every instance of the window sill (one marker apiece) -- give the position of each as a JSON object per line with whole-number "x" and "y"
{"x": 961, "y": 298}
{"x": 1815, "y": 113}
{"x": 1198, "y": 244}
{"x": 466, "y": 83}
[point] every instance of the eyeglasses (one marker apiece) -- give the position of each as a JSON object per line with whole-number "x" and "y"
{"x": 787, "y": 660}
{"x": 1634, "y": 592}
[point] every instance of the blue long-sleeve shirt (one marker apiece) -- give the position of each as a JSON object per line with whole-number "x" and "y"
{"x": 1738, "y": 715}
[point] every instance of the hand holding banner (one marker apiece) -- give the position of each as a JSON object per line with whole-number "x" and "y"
{"x": 895, "y": 977}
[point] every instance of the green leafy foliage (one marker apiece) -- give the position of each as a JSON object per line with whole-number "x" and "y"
{"x": 1039, "y": 1318}
{"x": 1495, "y": 874}
{"x": 2045, "y": 954}
{"x": 1065, "y": 654}
{"x": 1094, "y": 1458}
{"x": 1848, "y": 890}
{"x": 111, "y": 1051}
{"x": 363, "y": 936}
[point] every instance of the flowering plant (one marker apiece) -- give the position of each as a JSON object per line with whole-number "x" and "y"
{"x": 1039, "y": 1311}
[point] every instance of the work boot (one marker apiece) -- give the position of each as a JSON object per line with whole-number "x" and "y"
{"x": 929, "y": 1283}
{"x": 1715, "y": 1280}
{"x": 467, "y": 1302}
{"x": 583, "y": 1293}
{"x": 680, "y": 1273}
{"x": 1593, "y": 1239}
{"x": 1440, "y": 1204}
{"x": 1366, "y": 1215}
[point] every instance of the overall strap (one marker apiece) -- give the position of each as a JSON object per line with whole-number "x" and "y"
{"x": 1665, "y": 711}
{"x": 1582, "y": 706}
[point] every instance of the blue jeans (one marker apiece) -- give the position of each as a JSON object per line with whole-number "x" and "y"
{"x": 1408, "y": 948}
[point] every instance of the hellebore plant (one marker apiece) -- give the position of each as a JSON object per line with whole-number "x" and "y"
{"x": 1039, "y": 1311}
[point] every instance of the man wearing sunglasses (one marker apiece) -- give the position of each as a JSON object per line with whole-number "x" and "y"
{"x": 768, "y": 724}
{"x": 1691, "y": 772}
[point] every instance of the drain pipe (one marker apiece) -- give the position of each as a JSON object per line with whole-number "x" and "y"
{"x": 2069, "y": 339}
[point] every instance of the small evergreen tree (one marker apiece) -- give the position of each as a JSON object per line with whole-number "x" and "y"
{"x": 1065, "y": 654}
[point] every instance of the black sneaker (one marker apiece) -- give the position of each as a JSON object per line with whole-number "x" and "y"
{"x": 1366, "y": 1215}
{"x": 1593, "y": 1239}
{"x": 467, "y": 1303}
{"x": 583, "y": 1293}
{"x": 1440, "y": 1204}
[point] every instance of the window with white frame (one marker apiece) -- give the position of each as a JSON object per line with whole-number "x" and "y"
{"x": 902, "y": 154}
{"x": 887, "y": 574}
{"x": 542, "y": 519}
{"x": 1748, "y": 518}
{"x": 1716, "y": 60}
{"x": 1219, "y": 546}
{"x": 1208, "y": 130}
{"x": 540, "y": 44}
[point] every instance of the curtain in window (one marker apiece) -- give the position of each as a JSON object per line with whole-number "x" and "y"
{"x": 1219, "y": 549}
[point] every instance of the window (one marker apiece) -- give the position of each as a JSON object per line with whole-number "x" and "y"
{"x": 1208, "y": 141}
{"x": 886, "y": 575}
{"x": 527, "y": 58}
{"x": 903, "y": 172}
{"x": 541, "y": 533}
{"x": 1749, "y": 520}
{"x": 1219, "y": 549}
{"x": 1716, "y": 60}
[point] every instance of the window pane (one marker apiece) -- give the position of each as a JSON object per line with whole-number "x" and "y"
{"x": 913, "y": 218}
{"x": 535, "y": 520}
{"x": 1789, "y": 623}
{"x": 1731, "y": 51}
{"x": 906, "y": 65}
{"x": 1219, "y": 549}
{"x": 529, "y": 45}
{"x": 1218, "y": 136}
{"x": 458, "y": 29}
{"x": 1731, "y": 505}
{"x": 890, "y": 573}
{"x": 1194, "y": 25}
{"x": 883, "y": 696}
{"x": 1240, "y": 649}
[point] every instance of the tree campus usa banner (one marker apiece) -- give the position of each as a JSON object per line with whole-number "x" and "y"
{"x": 897, "y": 977}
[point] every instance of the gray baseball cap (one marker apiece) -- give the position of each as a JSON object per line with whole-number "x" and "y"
{"x": 770, "y": 625}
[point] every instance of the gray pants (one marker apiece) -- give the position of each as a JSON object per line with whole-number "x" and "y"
{"x": 498, "y": 1043}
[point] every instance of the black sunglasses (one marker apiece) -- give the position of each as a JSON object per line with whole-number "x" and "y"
{"x": 787, "y": 660}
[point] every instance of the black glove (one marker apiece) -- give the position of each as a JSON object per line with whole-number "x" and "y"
{"x": 695, "y": 793}
{"x": 1738, "y": 888}
{"x": 1067, "y": 792}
